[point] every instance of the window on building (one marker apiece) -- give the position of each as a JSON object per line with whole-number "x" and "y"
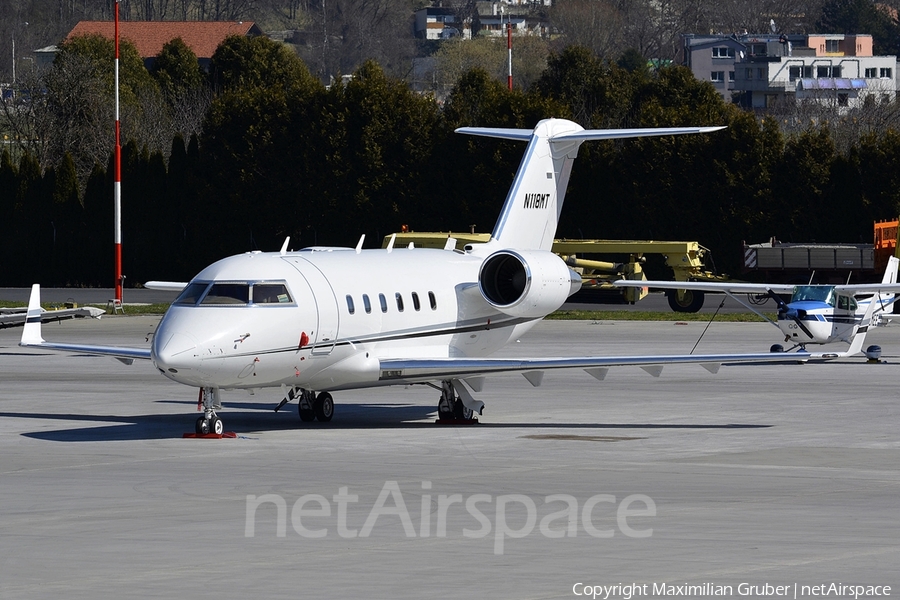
{"x": 771, "y": 100}
{"x": 871, "y": 73}
{"x": 794, "y": 73}
{"x": 760, "y": 73}
{"x": 731, "y": 76}
{"x": 758, "y": 50}
{"x": 717, "y": 76}
{"x": 843, "y": 99}
{"x": 723, "y": 52}
{"x": 886, "y": 73}
{"x": 832, "y": 46}
{"x": 808, "y": 71}
{"x": 828, "y": 71}
{"x": 748, "y": 73}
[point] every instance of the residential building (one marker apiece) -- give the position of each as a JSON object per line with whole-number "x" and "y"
{"x": 149, "y": 37}
{"x": 762, "y": 71}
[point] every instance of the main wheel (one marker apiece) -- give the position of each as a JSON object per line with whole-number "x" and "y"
{"x": 690, "y": 301}
{"x": 461, "y": 412}
{"x": 324, "y": 407}
{"x": 202, "y": 426}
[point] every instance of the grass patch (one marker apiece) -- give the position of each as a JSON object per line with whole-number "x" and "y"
{"x": 640, "y": 315}
{"x": 145, "y": 309}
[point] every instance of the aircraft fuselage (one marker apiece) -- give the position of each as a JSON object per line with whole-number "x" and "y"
{"x": 323, "y": 319}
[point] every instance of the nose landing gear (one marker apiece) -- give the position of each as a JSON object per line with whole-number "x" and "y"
{"x": 209, "y": 422}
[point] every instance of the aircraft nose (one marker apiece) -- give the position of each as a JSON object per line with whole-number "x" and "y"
{"x": 173, "y": 351}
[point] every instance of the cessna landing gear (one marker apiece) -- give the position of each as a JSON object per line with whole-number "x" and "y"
{"x": 209, "y": 422}
{"x": 451, "y": 407}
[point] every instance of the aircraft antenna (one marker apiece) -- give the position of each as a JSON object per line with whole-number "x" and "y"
{"x": 117, "y": 185}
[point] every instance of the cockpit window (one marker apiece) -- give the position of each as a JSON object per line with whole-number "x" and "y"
{"x": 192, "y": 293}
{"x": 227, "y": 293}
{"x": 270, "y": 293}
{"x": 817, "y": 293}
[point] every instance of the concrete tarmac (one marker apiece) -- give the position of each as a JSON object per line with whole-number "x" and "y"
{"x": 774, "y": 474}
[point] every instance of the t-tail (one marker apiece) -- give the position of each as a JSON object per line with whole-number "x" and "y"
{"x": 531, "y": 212}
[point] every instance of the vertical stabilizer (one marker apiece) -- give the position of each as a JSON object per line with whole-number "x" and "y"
{"x": 531, "y": 212}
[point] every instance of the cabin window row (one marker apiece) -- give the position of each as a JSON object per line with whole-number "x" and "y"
{"x": 383, "y": 302}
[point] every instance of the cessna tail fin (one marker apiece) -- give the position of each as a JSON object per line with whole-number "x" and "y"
{"x": 530, "y": 214}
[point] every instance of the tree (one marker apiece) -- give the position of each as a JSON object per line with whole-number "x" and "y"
{"x": 861, "y": 16}
{"x": 242, "y": 61}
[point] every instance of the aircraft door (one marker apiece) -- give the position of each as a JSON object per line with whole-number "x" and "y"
{"x": 326, "y": 331}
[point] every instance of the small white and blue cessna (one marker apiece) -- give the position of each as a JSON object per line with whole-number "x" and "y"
{"x": 319, "y": 320}
{"x": 816, "y": 314}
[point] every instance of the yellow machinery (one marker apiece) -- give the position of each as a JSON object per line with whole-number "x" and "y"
{"x": 684, "y": 258}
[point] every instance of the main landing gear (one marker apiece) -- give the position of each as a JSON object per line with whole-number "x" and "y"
{"x": 451, "y": 407}
{"x": 311, "y": 406}
{"x": 210, "y": 421}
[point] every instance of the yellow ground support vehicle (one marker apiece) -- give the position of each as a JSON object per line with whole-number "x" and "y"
{"x": 684, "y": 258}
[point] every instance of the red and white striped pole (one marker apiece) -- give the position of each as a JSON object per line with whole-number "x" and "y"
{"x": 117, "y": 186}
{"x": 509, "y": 50}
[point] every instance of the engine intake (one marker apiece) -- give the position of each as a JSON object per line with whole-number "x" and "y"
{"x": 526, "y": 283}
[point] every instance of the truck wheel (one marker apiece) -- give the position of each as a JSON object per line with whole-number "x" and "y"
{"x": 690, "y": 301}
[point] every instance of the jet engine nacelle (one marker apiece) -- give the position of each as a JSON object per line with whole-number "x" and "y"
{"x": 530, "y": 283}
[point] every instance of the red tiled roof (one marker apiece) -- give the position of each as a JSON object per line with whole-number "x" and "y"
{"x": 202, "y": 37}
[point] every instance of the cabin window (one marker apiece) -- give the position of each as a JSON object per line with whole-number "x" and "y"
{"x": 350, "y": 306}
{"x": 383, "y": 302}
{"x": 366, "y": 304}
{"x": 270, "y": 293}
{"x": 192, "y": 293}
{"x": 227, "y": 293}
{"x": 415, "y": 298}
{"x": 399, "y": 301}
{"x": 432, "y": 300}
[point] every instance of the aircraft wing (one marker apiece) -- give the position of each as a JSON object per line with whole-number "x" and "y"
{"x": 868, "y": 288}
{"x": 402, "y": 371}
{"x": 710, "y": 286}
{"x": 31, "y": 336}
{"x": 166, "y": 286}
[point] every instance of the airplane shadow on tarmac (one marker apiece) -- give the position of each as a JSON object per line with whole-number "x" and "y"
{"x": 247, "y": 419}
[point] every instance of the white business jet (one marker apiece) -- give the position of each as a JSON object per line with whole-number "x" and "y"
{"x": 816, "y": 314}
{"x": 320, "y": 320}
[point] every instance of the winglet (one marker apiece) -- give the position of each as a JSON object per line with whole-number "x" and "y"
{"x": 31, "y": 335}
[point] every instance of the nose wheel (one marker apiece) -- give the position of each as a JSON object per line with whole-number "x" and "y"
{"x": 206, "y": 426}
{"x": 209, "y": 422}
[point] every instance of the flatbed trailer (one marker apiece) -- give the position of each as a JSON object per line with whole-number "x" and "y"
{"x": 684, "y": 258}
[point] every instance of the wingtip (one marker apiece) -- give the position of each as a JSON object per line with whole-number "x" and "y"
{"x": 31, "y": 334}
